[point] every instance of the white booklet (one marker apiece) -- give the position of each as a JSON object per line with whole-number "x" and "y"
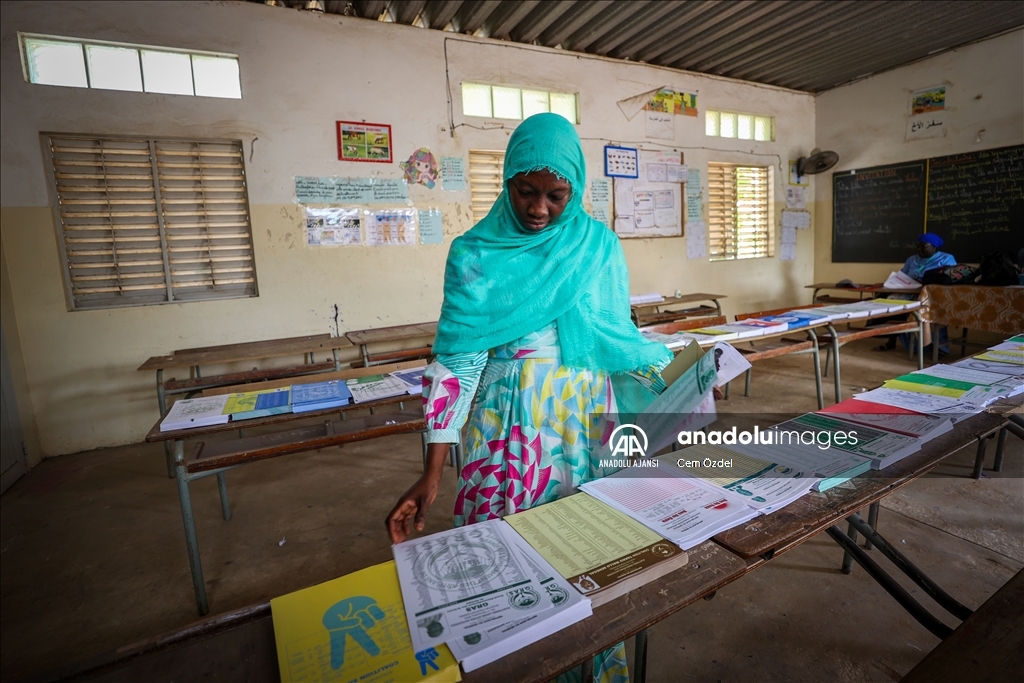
{"x": 458, "y": 583}
{"x": 496, "y": 640}
{"x": 920, "y": 403}
{"x": 684, "y": 510}
{"x": 196, "y": 412}
{"x": 376, "y": 387}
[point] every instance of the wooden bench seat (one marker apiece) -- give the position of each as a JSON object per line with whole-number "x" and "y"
{"x": 177, "y": 386}
{"x": 684, "y": 325}
{"x": 645, "y": 319}
{"x": 217, "y": 455}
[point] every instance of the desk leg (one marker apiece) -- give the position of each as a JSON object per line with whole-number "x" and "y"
{"x": 835, "y": 362}
{"x": 161, "y": 401}
{"x": 979, "y": 460}
{"x": 587, "y": 670}
{"x": 935, "y": 343}
{"x": 923, "y": 616}
{"x": 872, "y": 522}
{"x": 191, "y": 543}
{"x": 920, "y": 341}
{"x": 225, "y": 504}
{"x": 816, "y": 359}
{"x": 718, "y": 306}
{"x": 365, "y": 354}
{"x": 337, "y": 361}
{"x": 640, "y": 656}
{"x": 1000, "y": 444}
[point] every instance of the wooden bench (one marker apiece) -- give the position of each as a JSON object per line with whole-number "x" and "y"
{"x": 685, "y": 325}
{"x": 396, "y": 333}
{"x": 642, "y": 318}
{"x": 988, "y": 647}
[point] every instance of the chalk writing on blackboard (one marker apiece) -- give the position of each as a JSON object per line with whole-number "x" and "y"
{"x": 878, "y": 213}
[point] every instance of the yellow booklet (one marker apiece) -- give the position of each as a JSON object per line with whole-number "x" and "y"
{"x": 354, "y": 629}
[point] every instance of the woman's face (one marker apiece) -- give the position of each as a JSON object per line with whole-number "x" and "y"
{"x": 925, "y": 249}
{"x": 538, "y": 198}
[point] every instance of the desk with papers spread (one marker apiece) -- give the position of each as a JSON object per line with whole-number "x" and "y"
{"x": 226, "y": 639}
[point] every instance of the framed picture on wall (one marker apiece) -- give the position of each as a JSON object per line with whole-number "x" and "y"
{"x": 365, "y": 142}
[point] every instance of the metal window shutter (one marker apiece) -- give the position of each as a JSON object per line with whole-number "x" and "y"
{"x": 485, "y": 180}
{"x": 721, "y": 211}
{"x": 205, "y": 212}
{"x": 753, "y": 230}
{"x": 107, "y": 213}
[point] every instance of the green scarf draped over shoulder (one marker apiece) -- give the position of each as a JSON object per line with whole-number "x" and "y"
{"x": 503, "y": 281}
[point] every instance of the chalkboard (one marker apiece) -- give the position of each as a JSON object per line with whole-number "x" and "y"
{"x": 878, "y": 213}
{"x": 971, "y": 202}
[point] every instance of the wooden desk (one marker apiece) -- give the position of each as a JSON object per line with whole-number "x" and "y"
{"x": 240, "y": 645}
{"x": 383, "y": 335}
{"x": 988, "y": 647}
{"x": 218, "y": 459}
{"x": 860, "y": 289}
{"x": 782, "y": 530}
{"x": 650, "y": 314}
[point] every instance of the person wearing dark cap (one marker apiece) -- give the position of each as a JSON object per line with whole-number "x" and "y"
{"x": 928, "y": 257}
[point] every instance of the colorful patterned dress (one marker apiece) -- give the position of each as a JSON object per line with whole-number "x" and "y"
{"x": 528, "y": 435}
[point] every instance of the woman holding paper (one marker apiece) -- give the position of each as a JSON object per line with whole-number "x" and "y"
{"x": 928, "y": 257}
{"x": 536, "y": 326}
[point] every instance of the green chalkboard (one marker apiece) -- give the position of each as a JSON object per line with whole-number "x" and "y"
{"x": 974, "y": 202}
{"x": 878, "y": 212}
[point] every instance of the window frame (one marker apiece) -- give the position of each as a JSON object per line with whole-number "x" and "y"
{"x": 768, "y": 210}
{"x": 139, "y": 48}
{"x": 707, "y": 116}
{"x": 521, "y": 88}
{"x": 134, "y": 300}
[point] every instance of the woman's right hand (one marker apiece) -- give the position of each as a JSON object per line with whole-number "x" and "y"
{"x": 412, "y": 506}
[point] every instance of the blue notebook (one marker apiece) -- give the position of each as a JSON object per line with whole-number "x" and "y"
{"x": 795, "y": 319}
{"x": 320, "y": 396}
{"x": 267, "y": 404}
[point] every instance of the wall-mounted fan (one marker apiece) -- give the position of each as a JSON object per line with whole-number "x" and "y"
{"x": 818, "y": 162}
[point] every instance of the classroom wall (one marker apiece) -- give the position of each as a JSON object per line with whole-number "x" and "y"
{"x": 866, "y": 122}
{"x": 300, "y": 73}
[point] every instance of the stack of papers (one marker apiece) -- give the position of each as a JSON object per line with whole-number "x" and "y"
{"x": 376, "y": 387}
{"x": 847, "y": 446}
{"x": 973, "y": 387}
{"x": 899, "y": 304}
{"x": 711, "y": 334}
{"x": 891, "y": 419}
{"x": 684, "y": 510}
{"x": 734, "y": 331}
{"x": 766, "y": 486}
{"x": 483, "y": 591}
{"x": 676, "y": 340}
{"x": 196, "y": 412}
{"x": 354, "y": 629}
{"x": 769, "y": 326}
{"x": 413, "y": 378}
{"x": 649, "y": 298}
{"x": 320, "y": 396}
{"x": 800, "y": 318}
{"x": 602, "y": 552}
{"x": 252, "y": 404}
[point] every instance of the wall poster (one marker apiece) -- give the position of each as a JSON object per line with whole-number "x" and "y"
{"x": 364, "y": 142}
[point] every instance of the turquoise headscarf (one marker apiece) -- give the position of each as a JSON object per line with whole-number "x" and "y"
{"x": 503, "y": 281}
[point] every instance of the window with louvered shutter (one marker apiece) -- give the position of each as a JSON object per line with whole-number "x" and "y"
{"x": 147, "y": 221}
{"x": 485, "y": 180}
{"x": 739, "y": 211}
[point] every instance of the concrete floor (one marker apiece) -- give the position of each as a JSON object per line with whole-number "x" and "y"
{"x": 93, "y": 554}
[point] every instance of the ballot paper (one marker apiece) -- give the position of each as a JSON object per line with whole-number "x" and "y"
{"x": 1010, "y": 356}
{"x": 496, "y": 640}
{"x": 920, "y": 403}
{"x": 836, "y": 446}
{"x": 990, "y": 366}
{"x": 961, "y": 374}
{"x": 891, "y": 419}
{"x": 966, "y": 392}
{"x": 766, "y": 486}
{"x": 376, "y": 387}
{"x": 460, "y": 582}
{"x": 195, "y": 412}
{"x": 729, "y": 363}
{"x": 684, "y": 510}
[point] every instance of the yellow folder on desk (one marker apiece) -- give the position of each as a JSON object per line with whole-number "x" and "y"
{"x": 354, "y": 629}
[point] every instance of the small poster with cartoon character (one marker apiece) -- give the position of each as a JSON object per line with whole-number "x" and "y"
{"x": 421, "y": 168}
{"x": 364, "y": 142}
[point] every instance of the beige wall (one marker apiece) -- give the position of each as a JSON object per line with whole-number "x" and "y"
{"x": 300, "y": 72}
{"x": 865, "y": 122}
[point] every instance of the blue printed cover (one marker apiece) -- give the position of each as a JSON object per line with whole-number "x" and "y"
{"x": 332, "y": 392}
{"x": 273, "y": 399}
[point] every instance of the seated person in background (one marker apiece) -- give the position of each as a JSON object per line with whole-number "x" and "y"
{"x": 928, "y": 257}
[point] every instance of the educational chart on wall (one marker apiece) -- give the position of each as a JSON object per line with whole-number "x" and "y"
{"x": 877, "y": 213}
{"x": 601, "y": 200}
{"x": 974, "y": 201}
{"x": 390, "y": 227}
{"x": 364, "y": 142}
{"x": 334, "y": 190}
{"x": 652, "y": 204}
{"x": 333, "y": 227}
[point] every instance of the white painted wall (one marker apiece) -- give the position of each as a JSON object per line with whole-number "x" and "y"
{"x": 300, "y": 73}
{"x": 865, "y": 122}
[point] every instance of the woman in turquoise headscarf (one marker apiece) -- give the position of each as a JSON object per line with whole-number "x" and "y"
{"x": 535, "y": 325}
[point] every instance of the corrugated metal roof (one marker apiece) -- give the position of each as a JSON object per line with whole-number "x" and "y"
{"x": 809, "y": 45}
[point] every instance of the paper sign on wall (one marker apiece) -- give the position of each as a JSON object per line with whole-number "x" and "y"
{"x": 453, "y": 173}
{"x": 390, "y": 227}
{"x": 694, "y": 204}
{"x": 696, "y": 240}
{"x": 332, "y": 227}
{"x": 330, "y": 190}
{"x": 621, "y": 162}
{"x": 431, "y": 227}
{"x": 927, "y": 126}
{"x": 364, "y": 141}
{"x": 660, "y": 126}
{"x": 600, "y": 200}
{"x": 796, "y": 197}
{"x": 796, "y": 219}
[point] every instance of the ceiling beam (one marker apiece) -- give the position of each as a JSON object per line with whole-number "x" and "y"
{"x": 438, "y": 13}
{"x": 572, "y": 21}
{"x": 705, "y": 24}
{"x": 369, "y": 9}
{"x": 511, "y": 12}
{"x": 607, "y": 22}
{"x": 640, "y": 22}
{"x": 632, "y": 47}
{"x": 406, "y": 11}
{"x": 540, "y": 19}
{"x": 472, "y": 14}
